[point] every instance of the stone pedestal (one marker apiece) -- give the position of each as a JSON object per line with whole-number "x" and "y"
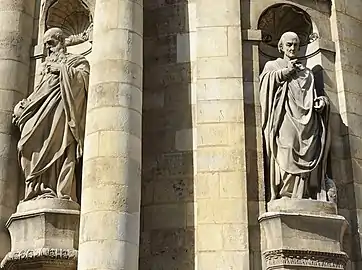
{"x": 44, "y": 235}
{"x": 303, "y": 234}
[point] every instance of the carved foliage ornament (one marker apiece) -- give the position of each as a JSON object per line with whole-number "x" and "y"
{"x": 304, "y": 258}
{"x": 69, "y": 256}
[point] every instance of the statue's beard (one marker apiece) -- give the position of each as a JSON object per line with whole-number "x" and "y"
{"x": 54, "y": 56}
{"x": 58, "y": 55}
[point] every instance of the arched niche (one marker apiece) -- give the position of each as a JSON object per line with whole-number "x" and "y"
{"x": 319, "y": 11}
{"x": 75, "y": 17}
{"x": 280, "y": 18}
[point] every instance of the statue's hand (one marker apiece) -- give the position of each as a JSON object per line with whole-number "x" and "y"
{"x": 292, "y": 67}
{"x": 53, "y": 67}
{"x": 320, "y": 103}
{"x": 18, "y": 110}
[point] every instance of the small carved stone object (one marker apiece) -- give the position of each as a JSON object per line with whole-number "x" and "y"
{"x": 52, "y": 121}
{"x": 295, "y": 125}
{"x": 80, "y": 38}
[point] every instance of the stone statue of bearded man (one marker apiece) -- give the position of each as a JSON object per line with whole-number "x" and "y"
{"x": 295, "y": 126}
{"x": 52, "y": 122}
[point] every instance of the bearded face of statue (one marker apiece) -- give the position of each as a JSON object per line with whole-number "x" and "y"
{"x": 54, "y": 41}
{"x": 52, "y": 45}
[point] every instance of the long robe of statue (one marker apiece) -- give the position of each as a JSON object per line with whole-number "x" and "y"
{"x": 52, "y": 127}
{"x": 296, "y": 134}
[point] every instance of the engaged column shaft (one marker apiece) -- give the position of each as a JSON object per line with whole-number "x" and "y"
{"x": 111, "y": 191}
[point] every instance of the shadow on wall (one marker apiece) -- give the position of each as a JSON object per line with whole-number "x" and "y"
{"x": 167, "y": 211}
{"x": 340, "y": 169}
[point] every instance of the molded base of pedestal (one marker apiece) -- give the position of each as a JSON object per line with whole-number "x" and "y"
{"x": 44, "y": 235}
{"x": 41, "y": 259}
{"x": 285, "y": 259}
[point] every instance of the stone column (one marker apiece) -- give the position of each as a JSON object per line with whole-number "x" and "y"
{"x": 111, "y": 189}
{"x": 16, "y": 28}
{"x": 220, "y": 185}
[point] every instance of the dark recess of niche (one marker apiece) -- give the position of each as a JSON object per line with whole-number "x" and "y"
{"x": 281, "y": 18}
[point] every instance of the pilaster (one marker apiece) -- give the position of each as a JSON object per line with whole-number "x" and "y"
{"x": 220, "y": 185}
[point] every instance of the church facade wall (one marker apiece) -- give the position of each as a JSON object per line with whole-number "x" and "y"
{"x": 189, "y": 98}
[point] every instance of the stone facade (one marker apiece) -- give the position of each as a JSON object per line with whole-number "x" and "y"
{"x": 173, "y": 170}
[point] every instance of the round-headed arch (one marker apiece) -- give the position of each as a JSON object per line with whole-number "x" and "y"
{"x": 280, "y": 18}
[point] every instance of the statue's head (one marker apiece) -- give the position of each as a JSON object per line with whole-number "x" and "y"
{"x": 289, "y": 44}
{"x": 54, "y": 40}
